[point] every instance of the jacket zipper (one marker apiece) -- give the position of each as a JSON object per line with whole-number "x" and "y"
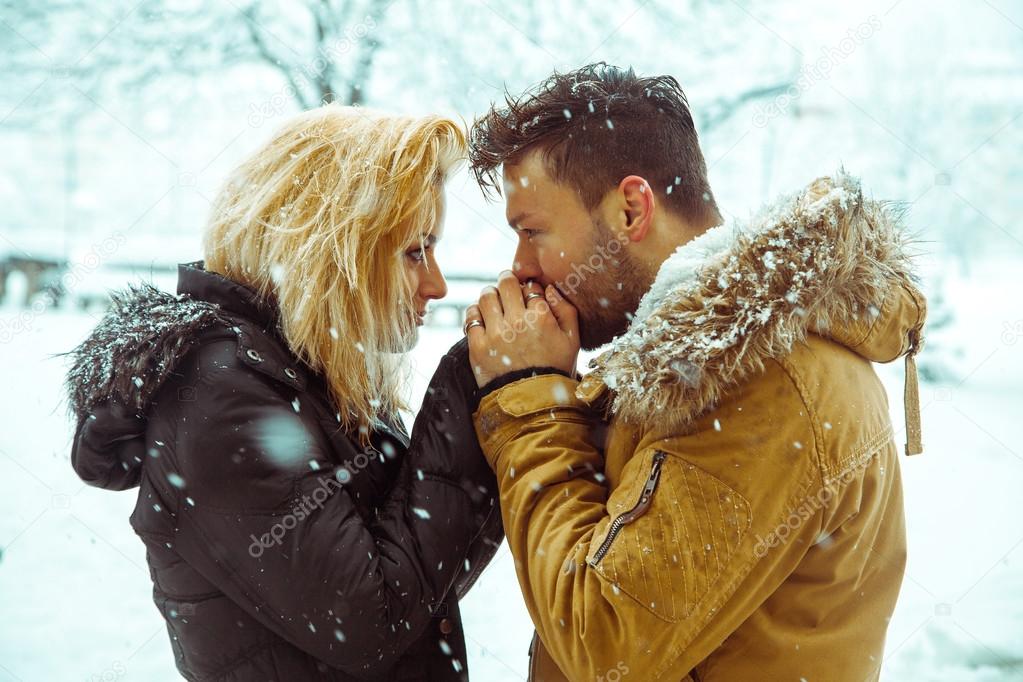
{"x": 637, "y": 511}
{"x": 480, "y": 564}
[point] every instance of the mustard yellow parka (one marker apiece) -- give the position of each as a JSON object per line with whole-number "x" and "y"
{"x": 720, "y": 497}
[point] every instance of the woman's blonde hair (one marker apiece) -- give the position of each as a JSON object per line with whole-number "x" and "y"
{"x": 317, "y": 222}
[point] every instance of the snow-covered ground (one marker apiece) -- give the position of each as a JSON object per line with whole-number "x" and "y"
{"x": 75, "y": 590}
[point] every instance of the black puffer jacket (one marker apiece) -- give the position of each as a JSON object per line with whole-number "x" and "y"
{"x": 278, "y": 548}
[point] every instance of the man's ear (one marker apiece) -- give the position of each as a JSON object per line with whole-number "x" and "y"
{"x": 638, "y": 203}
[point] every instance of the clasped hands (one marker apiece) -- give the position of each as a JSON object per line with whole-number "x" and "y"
{"x": 517, "y": 326}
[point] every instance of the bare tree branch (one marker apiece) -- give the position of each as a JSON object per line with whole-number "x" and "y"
{"x": 270, "y": 58}
{"x": 368, "y": 49}
{"x": 717, "y": 112}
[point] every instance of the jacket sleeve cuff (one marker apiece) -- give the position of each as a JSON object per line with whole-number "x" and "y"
{"x": 512, "y": 377}
{"x": 503, "y": 411}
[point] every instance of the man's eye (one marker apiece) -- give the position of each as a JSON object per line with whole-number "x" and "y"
{"x": 528, "y": 233}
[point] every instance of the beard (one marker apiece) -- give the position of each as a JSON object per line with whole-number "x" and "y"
{"x": 606, "y": 289}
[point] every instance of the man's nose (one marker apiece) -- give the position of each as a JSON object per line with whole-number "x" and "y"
{"x": 526, "y": 266}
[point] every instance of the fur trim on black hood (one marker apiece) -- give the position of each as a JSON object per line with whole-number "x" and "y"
{"x": 135, "y": 347}
{"x": 117, "y": 370}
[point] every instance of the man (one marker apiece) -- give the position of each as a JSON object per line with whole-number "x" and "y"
{"x": 741, "y": 515}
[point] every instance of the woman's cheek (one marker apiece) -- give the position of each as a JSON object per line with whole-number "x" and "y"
{"x": 411, "y": 271}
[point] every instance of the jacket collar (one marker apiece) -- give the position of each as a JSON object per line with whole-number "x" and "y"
{"x": 196, "y": 282}
{"x": 823, "y": 261}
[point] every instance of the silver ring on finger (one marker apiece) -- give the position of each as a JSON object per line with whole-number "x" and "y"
{"x": 470, "y": 324}
{"x": 531, "y": 295}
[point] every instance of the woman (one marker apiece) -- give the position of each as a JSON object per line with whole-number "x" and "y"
{"x": 293, "y": 530}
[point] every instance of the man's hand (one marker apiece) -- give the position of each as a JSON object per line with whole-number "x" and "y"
{"x": 520, "y": 326}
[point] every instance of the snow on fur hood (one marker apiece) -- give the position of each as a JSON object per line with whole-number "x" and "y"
{"x": 146, "y": 331}
{"x": 134, "y": 348}
{"x": 824, "y": 261}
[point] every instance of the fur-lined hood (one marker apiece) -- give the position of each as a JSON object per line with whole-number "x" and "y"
{"x": 135, "y": 347}
{"x": 117, "y": 371}
{"x": 146, "y": 331}
{"x": 825, "y": 261}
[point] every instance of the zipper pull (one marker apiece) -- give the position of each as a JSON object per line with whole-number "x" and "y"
{"x": 637, "y": 510}
{"x": 655, "y": 475}
{"x": 648, "y": 490}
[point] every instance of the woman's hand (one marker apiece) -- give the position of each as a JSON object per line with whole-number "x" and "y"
{"x": 517, "y": 326}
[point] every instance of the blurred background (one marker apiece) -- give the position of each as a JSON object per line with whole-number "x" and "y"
{"x": 119, "y": 120}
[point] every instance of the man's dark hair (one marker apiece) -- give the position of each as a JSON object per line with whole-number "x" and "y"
{"x": 595, "y": 126}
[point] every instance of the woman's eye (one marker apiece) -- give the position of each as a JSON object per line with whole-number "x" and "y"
{"x": 417, "y": 255}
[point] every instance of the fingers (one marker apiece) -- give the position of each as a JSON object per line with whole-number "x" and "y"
{"x": 534, "y": 298}
{"x": 518, "y": 326}
{"x": 490, "y": 308}
{"x": 564, "y": 312}
{"x": 511, "y": 294}
{"x": 511, "y": 307}
{"x": 473, "y": 321}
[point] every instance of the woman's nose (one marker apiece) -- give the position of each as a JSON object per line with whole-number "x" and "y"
{"x": 433, "y": 286}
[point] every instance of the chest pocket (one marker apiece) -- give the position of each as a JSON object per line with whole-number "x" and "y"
{"x": 673, "y": 531}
